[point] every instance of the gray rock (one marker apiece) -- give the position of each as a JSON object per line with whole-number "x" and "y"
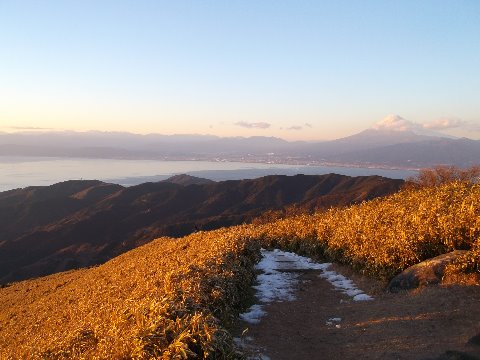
{"x": 428, "y": 272}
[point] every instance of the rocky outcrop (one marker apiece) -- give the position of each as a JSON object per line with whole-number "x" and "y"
{"x": 428, "y": 272}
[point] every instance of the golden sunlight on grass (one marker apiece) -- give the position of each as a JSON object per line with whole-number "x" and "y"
{"x": 163, "y": 299}
{"x": 174, "y": 298}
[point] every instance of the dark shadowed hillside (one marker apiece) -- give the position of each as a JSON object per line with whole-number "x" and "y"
{"x": 184, "y": 179}
{"x": 73, "y": 224}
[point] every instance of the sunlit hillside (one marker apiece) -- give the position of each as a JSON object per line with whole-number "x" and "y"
{"x": 381, "y": 237}
{"x": 174, "y": 298}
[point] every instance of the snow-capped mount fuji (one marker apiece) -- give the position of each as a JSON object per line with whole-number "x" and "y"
{"x": 380, "y": 137}
{"x": 396, "y": 142}
{"x": 371, "y": 138}
{"x": 396, "y": 124}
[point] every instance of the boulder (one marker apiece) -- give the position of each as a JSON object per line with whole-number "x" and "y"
{"x": 428, "y": 272}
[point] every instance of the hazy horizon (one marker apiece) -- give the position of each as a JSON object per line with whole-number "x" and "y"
{"x": 390, "y": 123}
{"x": 294, "y": 70}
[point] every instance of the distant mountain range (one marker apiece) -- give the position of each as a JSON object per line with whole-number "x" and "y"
{"x": 402, "y": 149}
{"x": 372, "y": 147}
{"x": 74, "y": 224}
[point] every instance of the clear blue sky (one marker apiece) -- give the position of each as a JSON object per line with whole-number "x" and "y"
{"x": 293, "y": 69}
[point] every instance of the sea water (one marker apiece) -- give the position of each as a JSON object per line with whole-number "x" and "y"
{"x": 18, "y": 172}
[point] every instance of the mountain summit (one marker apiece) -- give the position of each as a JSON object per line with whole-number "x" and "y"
{"x": 396, "y": 123}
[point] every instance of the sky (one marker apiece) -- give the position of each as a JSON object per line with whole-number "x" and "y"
{"x": 299, "y": 70}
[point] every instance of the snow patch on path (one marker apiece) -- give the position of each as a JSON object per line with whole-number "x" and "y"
{"x": 278, "y": 279}
{"x": 345, "y": 285}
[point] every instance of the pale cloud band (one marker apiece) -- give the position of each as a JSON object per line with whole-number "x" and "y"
{"x": 27, "y": 128}
{"x": 397, "y": 123}
{"x": 445, "y": 123}
{"x": 255, "y": 125}
{"x": 300, "y": 127}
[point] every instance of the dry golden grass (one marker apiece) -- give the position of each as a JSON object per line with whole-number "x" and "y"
{"x": 162, "y": 300}
{"x": 172, "y": 299}
{"x": 384, "y": 236}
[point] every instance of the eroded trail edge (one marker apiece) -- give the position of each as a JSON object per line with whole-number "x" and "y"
{"x": 280, "y": 274}
{"x": 307, "y": 310}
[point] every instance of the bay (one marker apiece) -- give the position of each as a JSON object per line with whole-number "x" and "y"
{"x": 19, "y": 172}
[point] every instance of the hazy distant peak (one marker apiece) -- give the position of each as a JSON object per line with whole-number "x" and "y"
{"x": 372, "y": 132}
{"x": 395, "y": 123}
{"x": 399, "y": 124}
{"x": 379, "y": 137}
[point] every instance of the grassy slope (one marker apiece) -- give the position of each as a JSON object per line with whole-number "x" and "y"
{"x": 166, "y": 297}
{"x": 384, "y": 236}
{"x": 153, "y": 300}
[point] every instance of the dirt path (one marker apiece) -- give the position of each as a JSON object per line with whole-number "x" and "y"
{"x": 419, "y": 325}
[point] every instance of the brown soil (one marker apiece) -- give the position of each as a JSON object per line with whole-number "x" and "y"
{"x": 423, "y": 324}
